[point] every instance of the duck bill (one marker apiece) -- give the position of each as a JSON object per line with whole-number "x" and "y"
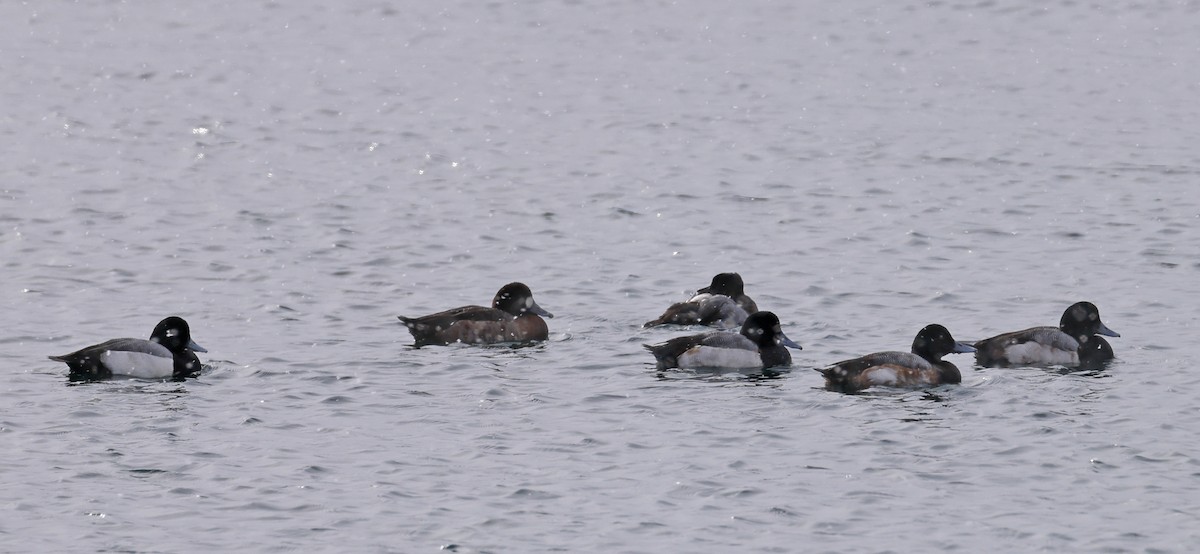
{"x": 1102, "y": 329}
{"x": 539, "y": 311}
{"x": 195, "y": 347}
{"x": 961, "y": 348}
{"x": 705, "y": 290}
{"x": 789, "y": 342}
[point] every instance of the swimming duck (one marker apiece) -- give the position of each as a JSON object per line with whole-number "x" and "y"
{"x": 760, "y": 344}
{"x": 920, "y": 368}
{"x": 1075, "y": 341}
{"x": 170, "y": 353}
{"x": 723, "y": 303}
{"x": 513, "y": 317}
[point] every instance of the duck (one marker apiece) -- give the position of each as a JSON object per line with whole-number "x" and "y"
{"x": 513, "y": 317}
{"x": 761, "y": 344}
{"x": 1075, "y": 342}
{"x": 922, "y": 367}
{"x": 169, "y": 354}
{"x": 723, "y": 304}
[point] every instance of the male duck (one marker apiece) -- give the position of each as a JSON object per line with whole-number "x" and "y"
{"x": 170, "y": 353}
{"x": 722, "y": 304}
{"x": 920, "y": 368}
{"x": 1075, "y": 341}
{"x": 513, "y": 317}
{"x": 761, "y": 344}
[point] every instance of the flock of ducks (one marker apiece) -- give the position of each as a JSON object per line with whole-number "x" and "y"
{"x": 760, "y": 342}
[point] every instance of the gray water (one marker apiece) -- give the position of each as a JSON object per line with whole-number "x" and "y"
{"x": 292, "y": 176}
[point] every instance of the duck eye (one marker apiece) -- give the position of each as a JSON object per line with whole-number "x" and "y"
{"x": 172, "y": 332}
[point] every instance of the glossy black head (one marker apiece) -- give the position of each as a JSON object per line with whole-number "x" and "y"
{"x": 763, "y": 328}
{"x": 174, "y": 333}
{"x": 517, "y": 299}
{"x": 934, "y": 341}
{"x": 728, "y": 284}
{"x": 1082, "y": 321}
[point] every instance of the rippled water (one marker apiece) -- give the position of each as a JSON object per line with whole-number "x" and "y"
{"x": 291, "y": 176}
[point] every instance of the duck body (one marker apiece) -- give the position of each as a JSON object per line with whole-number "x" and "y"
{"x": 169, "y": 354}
{"x": 761, "y": 343}
{"x": 723, "y": 304}
{"x": 922, "y": 367}
{"x": 713, "y": 310}
{"x": 1077, "y": 341}
{"x": 513, "y": 317}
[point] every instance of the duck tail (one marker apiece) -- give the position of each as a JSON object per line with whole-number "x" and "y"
{"x": 663, "y": 359}
{"x": 836, "y": 380}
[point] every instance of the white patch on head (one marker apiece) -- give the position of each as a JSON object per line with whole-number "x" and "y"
{"x": 528, "y": 303}
{"x": 138, "y": 364}
{"x": 1036, "y": 353}
{"x": 723, "y": 358}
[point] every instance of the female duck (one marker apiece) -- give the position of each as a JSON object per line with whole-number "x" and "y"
{"x": 761, "y": 344}
{"x": 513, "y": 317}
{"x": 923, "y": 367}
{"x": 1076, "y": 341}
{"x": 722, "y": 304}
{"x": 170, "y": 353}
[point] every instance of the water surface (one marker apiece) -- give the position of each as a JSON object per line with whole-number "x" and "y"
{"x": 291, "y": 176}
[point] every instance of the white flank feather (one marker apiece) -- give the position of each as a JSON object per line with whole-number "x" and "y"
{"x": 724, "y": 358}
{"x": 138, "y": 364}
{"x": 1035, "y": 353}
{"x": 882, "y": 375}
